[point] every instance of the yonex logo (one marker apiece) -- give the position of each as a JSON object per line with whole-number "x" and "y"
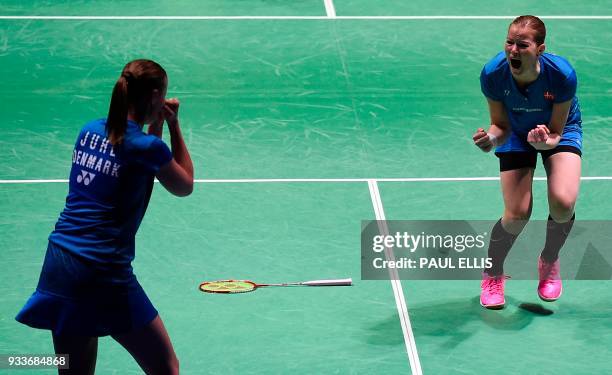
{"x": 85, "y": 177}
{"x": 506, "y": 92}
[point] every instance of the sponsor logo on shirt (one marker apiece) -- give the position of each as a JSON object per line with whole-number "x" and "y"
{"x": 85, "y": 177}
{"x": 528, "y": 110}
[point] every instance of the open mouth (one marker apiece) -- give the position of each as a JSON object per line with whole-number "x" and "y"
{"x": 516, "y": 63}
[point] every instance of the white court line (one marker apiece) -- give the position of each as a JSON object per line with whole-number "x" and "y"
{"x": 289, "y": 180}
{"x": 398, "y": 292}
{"x": 330, "y": 9}
{"x": 382, "y": 18}
{"x": 31, "y": 181}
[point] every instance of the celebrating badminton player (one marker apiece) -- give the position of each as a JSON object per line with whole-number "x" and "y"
{"x": 87, "y": 288}
{"x": 533, "y": 109}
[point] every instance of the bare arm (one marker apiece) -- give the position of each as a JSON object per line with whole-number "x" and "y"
{"x": 498, "y": 131}
{"x": 177, "y": 175}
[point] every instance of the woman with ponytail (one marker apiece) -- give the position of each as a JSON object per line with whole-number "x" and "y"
{"x": 87, "y": 288}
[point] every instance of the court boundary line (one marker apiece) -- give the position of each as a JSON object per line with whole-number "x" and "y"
{"x": 329, "y": 8}
{"x": 398, "y": 292}
{"x": 327, "y": 17}
{"x": 322, "y": 180}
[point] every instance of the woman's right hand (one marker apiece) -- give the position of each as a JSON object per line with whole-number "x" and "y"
{"x": 177, "y": 175}
{"x": 482, "y": 140}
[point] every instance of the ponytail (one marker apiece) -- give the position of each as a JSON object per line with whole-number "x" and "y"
{"x": 116, "y": 122}
{"x": 132, "y": 94}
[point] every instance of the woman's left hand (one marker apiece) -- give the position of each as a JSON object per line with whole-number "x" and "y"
{"x": 538, "y": 136}
{"x": 541, "y": 138}
{"x": 171, "y": 108}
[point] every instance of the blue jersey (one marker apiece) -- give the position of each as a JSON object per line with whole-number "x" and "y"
{"x": 532, "y": 106}
{"x": 109, "y": 191}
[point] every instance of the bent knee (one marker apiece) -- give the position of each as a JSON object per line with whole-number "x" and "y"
{"x": 562, "y": 204}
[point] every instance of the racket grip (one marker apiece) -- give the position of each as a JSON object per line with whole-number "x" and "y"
{"x": 334, "y": 282}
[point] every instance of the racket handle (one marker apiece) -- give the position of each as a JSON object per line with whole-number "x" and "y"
{"x": 334, "y": 282}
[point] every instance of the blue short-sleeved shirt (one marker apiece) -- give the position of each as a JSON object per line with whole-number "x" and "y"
{"x": 556, "y": 83}
{"x": 108, "y": 193}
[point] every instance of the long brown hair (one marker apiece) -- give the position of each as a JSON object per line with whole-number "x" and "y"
{"x": 133, "y": 90}
{"x": 533, "y": 23}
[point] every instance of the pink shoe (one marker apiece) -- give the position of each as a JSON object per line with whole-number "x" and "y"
{"x": 549, "y": 288}
{"x": 492, "y": 294}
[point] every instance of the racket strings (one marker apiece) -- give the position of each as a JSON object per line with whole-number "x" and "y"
{"x": 227, "y": 286}
{"x": 242, "y": 286}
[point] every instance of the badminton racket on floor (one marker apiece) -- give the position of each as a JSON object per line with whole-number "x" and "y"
{"x": 243, "y": 286}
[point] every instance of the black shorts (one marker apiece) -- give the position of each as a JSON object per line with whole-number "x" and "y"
{"x": 528, "y": 159}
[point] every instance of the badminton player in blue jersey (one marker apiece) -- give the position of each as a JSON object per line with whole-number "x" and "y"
{"x": 87, "y": 288}
{"x": 533, "y": 110}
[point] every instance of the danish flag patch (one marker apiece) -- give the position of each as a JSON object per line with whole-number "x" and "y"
{"x": 549, "y": 96}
